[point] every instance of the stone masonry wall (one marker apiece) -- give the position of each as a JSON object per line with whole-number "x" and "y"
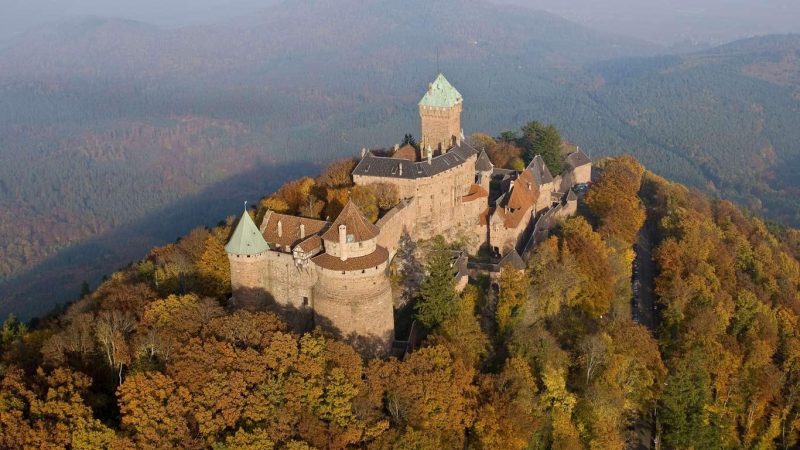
{"x": 356, "y": 303}
{"x": 439, "y": 126}
{"x": 401, "y": 219}
{"x": 291, "y": 287}
{"x": 583, "y": 174}
{"x": 437, "y": 200}
{"x": 247, "y": 280}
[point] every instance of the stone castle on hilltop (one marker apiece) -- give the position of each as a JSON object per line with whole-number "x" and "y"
{"x": 335, "y": 274}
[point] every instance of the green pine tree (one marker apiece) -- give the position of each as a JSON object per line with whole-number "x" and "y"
{"x": 439, "y": 300}
{"x": 543, "y": 140}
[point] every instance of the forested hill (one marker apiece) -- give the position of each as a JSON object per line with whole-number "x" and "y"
{"x": 117, "y": 135}
{"x": 551, "y": 359}
{"x": 730, "y": 112}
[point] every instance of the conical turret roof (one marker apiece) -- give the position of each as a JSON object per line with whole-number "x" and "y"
{"x": 441, "y": 94}
{"x": 357, "y": 225}
{"x": 483, "y": 163}
{"x": 246, "y": 239}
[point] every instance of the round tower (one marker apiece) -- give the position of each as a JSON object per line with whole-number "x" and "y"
{"x": 353, "y": 296}
{"x": 440, "y": 115}
{"x": 247, "y": 253}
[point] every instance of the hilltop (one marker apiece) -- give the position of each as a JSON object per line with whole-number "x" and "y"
{"x": 547, "y": 356}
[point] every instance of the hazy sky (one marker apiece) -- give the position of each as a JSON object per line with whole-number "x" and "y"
{"x": 662, "y": 21}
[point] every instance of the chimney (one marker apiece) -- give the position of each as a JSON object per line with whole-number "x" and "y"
{"x": 396, "y": 147}
{"x": 429, "y": 151}
{"x": 458, "y": 139}
{"x": 363, "y": 152}
{"x": 400, "y": 168}
{"x": 343, "y": 242}
{"x": 302, "y": 231}
{"x": 280, "y": 229}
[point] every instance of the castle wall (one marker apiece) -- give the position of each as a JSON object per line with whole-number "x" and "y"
{"x": 247, "y": 280}
{"x": 544, "y": 201}
{"x": 505, "y": 239}
{"x": 290, "y": 287}
{"x": 582, "y": 174}
{"x": 401, "y": 219}
{"x": 355, "y": 303}
{"x": 354, "y": 249}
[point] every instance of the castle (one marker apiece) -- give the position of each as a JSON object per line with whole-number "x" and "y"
{"x": 335, "y": 274}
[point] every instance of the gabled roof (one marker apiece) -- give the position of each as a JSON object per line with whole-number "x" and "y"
{"x": 483, "y": 163}
{"x": 541, "y": 174}
{"x": 577, "y": 159}
{"x": 246, "y": 239}
{"x": 513, "y": 259}
{"x": 290, "y": 233}
{"x": 524, "y": 193}
{"x": 358, "y": 227}
{"x": 379, "y": 166}
{"x": 441, "y": 94}
{"x": 514, "y": 218}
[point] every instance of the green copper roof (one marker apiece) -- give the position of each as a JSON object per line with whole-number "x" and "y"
{"x": 246, "y": 239}
{"x": 441, "y": 94}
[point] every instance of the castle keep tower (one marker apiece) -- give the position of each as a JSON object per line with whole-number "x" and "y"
{"x": 353, "y": 295}
{"x": 440, "y": 115}
{"x": 247, "y": 253}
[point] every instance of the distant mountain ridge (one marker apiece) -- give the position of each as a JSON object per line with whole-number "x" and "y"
{"x": 414, "y": 29}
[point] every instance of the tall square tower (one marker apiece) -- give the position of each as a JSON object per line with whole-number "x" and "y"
{"x": 440, "y": 115}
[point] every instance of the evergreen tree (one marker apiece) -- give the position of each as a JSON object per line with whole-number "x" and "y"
{"x": 684, "y": 406}
{"x": 439, "y": 299}
{"x": 408, "y": 139}
{"x": 538, "y": 139}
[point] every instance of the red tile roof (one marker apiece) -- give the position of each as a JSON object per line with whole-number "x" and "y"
{"x": 476, "y": 191}
{"x": 290, "y": 229}
{"x": 524, "y": 193}
{"x": 357, "y": 225}
{"x": 374, "y": 259}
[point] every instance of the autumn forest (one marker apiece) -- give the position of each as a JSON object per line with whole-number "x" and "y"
{"x": 548, "y": 357}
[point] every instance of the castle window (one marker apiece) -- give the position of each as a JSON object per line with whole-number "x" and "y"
{"x": 305, "y": 301}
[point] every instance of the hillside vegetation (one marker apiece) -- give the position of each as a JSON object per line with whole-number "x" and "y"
{"x": 552, "y": 360}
